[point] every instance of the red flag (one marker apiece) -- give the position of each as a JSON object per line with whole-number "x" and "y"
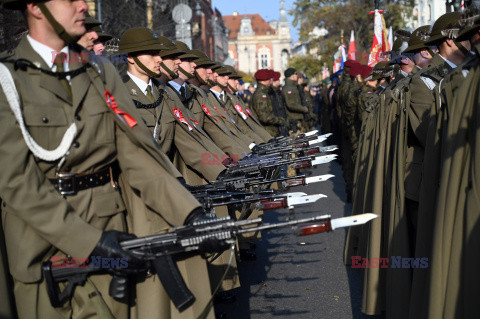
{"x": 351, "y": 47}
{"x": 380, "y": 42}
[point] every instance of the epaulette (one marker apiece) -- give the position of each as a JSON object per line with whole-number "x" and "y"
{"x": 429, "y": 82}
{"x": 6, "y": 54}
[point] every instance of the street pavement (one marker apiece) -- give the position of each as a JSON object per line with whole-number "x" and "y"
{"x": 301, "y": 277}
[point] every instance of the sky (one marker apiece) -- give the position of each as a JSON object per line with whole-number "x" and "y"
{"x": 268, "y": 9}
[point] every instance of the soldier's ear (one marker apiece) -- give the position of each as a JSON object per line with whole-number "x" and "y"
{"x": 33, "y": 10}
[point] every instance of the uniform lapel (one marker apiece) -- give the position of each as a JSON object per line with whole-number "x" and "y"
{"x": 49, "y": 83}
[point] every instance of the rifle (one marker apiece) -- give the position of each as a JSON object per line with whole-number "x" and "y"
{"x": 158, "y": 251}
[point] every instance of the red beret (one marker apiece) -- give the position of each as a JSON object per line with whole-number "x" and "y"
{"x": 350, "y": 63}
{"x": 263, "y": 75}
{"x": 355, "y": 70}
{"x": 276, "y": 76}
{"x": 366, "y": 71}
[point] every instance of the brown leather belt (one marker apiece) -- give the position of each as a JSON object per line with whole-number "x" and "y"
{"x": 70, "y": 184}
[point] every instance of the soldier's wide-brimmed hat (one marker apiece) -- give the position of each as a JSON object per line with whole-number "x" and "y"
{"x": 138, "y": 40}
{"x": 18, "y": 4}
{"x": 263, "y": 75}
{"x": 399, "y": 46}
{"x": 233, "y": 72}
{"x": 220, "y": 69}
{"x": 444, "y": 23}
{"x": 102, "y": 36}
{"x": 187, "y": 55}
{"x": 381, "y": 70}
{"x": 417, "y": 39}
{"x": 203, "y": 59}
{"x": 469, "y": 23}
{"x": 171, "y": 50}
{"x": 91, "y": 22}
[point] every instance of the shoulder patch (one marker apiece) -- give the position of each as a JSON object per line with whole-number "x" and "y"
{"x": 264, "y": 96}
{"x": 428, "y": 82}
{"x": 289, "y": 92}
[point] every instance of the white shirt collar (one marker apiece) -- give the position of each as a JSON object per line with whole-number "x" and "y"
{"x": 176, "y": 86}
{"x": 217, "y": 94}
{"x": 142, "y": 85}
{"x": 47, "y": 54}
{"x": 453, "y": 66}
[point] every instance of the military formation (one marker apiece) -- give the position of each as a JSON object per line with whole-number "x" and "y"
{"x": 408, "y": 130}
{"x": 103, "y": 149}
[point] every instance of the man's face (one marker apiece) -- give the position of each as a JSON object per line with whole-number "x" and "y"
{"x": 172, "y": 64}
{"x": 233, "y": 83}
{"x": 276, "y": 83}
{"x": 300, "y": 80}
{"x": 294, "y": 77}
{"x": 70, "y": 14}
{"x": 203, "y": 73}
{"x": 188, "y": 66}
{"x": 213, "y": 76}
{"x": 151, "y": 60}
{"x": 222, "y": 80}
{"x": 98, "y": 47}
{"x": 88, "y": 40}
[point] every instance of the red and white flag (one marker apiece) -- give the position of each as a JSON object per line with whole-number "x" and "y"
{"x": 390, "y": 38}
{"x": 351, "y": 47}
{"x": 380, "y": 42}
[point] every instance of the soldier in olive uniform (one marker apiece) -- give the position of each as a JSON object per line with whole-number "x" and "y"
{"x": 262, "y": 104}
{"x": 279, "y": 107}
{"x": 293, "y": 102}
{"x": 102, "y": 128}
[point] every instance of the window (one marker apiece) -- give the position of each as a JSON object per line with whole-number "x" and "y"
{"x": 245, "y": 30}
{"x": 264, "y": 61}
{"x": 284, "y": 30}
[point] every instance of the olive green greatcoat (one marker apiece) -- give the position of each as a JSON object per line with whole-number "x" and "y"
{"x": 293, "y": 102}
{"x": 242, "y": 121}
{"x": 73, "y": 225}
{"x": 249, "y": 120}
{"x": 447, "y": 288}
{"x": 263, "y": 107}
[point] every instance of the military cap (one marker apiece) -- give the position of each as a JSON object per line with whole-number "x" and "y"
{"x": 171, "y": 49}
{"x": 401, "y": 42}
{"x": 446, "y": 21}
{"x": 233, "y": 72}
{"x": 276, "y": 76}
{"x": 139, "y": 39}
{"x": 222, "y": 71}
{"x": 350, "y": 63}
{"x": 365, "y": 71}
{"x": 19, "y": 4}
{"x": 355, "y": 70}
{"x": 91, "y": 22}
{"x": 184, "y": 47}
{"x": 289, "y": 72}
{"x": 417, "y": 39}
{"x": 216, "y": 66}
{"x": 102, "y": 36}
{"x": 203, "y": 60}
{"x": 469, "y": 23}
{"x": 379, "y": 70}
{"x": 263, "y": 75}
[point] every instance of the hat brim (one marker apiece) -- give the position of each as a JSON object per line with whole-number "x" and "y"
{"x": 415, "y": 47}
{"x": 188, "y": 56}
{"x": 466, "y": 33}
{"x": 170, "y": 53}
{"x": 146, "y": 47}
{"x": 435, "y": 39}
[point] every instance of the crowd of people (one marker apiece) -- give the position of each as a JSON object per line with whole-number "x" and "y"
{"x": 408, "y": 130}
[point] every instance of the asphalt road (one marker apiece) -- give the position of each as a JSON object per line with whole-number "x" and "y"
{"x": 301, "y": 277}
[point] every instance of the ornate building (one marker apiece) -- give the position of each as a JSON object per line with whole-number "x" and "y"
{"x": 255, "y": 44}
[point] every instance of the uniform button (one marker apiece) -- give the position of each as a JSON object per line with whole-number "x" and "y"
{"x": 44, "y": 120}
{"x": 78, "y": 118}
{"x": 76, "y": 144}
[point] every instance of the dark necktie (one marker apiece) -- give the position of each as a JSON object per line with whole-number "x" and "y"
{"x": 59, "y": 59}
{"x": 183, "y": 93}
{"x": 150, "y": 94}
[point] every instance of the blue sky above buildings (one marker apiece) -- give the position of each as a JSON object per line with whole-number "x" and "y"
{"x": 268, "y": 9}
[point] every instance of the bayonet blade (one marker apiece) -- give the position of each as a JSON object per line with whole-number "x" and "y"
{"x": 328, "y": 148}
{"x": 295, "y": 194}
{"x": 324, "y": 159}
{"x": 317, "y": 179}
{"x": 304, "y": 199}
{"x": 350, "y": 221}
{"x": 311, "y": 133}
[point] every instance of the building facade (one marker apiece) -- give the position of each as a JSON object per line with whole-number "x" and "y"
{"x": 254, "y": 44}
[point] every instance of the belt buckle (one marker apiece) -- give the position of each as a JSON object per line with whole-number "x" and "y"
{"x": 62, "y": 180}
